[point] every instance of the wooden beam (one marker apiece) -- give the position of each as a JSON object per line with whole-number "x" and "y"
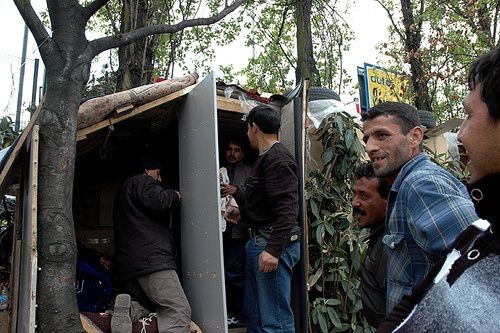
{"x": 7, "y": 174}
{"x": 82, "y": 134}
{"x": 230, "y": 104}
{"x": 33, "y": 195}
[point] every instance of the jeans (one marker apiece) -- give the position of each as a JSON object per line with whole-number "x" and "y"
{"x": 234, "y": 266}
{"x": 267, "y": 295}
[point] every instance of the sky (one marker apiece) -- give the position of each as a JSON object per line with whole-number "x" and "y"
{"x": 368, "y": 21}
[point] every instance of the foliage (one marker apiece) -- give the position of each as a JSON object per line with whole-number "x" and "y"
{"x": 453, "y": 34}
{"x": 7, "y": 132}
{"x": 273, "y": 38}
{"x": 185, "y": 51}
{"x": 336, "y": 246}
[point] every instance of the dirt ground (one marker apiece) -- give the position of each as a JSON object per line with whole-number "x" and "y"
{"x": 4, "y": 320}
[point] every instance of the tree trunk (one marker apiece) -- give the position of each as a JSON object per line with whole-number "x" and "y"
{"x": 56, "y": 297}
{"x": 67, "y": 64}
{"x": 412, "y": 44}
{"x": 136, "y": 59}
{"x": 306, "y": 65}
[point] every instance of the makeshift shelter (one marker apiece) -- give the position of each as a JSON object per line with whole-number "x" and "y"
{"x": 185, "y": 128}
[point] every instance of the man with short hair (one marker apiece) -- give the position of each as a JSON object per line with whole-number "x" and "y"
{"x": 236, "y": 235}
{"x": 145, "y": 252}
{"x": 272, "y": 202}
{"x": 368, "y": 207}
{"x": 462, "y": 293}
{"x": 427, "y": 206}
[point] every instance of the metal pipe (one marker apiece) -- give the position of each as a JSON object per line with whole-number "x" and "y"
{"x": 21, "y": 79}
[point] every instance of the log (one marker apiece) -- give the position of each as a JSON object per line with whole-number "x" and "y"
{"x": 99, "y": 108}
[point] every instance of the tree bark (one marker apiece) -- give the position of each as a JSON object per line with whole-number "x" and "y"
{"x": 412, "y": 44}
{"x": 136, "y": 59}
{"x": 306, "y": 64}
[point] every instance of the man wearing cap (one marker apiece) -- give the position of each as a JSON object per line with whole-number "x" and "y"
{"x": 145, "y": 252}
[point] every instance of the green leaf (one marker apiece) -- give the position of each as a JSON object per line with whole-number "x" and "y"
{"x": 322, "y": 323}
{"x": 314, "y": 208}
{"x": 314, "y": 278}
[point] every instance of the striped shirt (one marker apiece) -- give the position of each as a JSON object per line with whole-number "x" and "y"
{"x": 427, "y": 209}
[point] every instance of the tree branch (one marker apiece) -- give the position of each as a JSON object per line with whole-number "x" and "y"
{"x": 94, "y": 7}
{"x": 105, "y": 43}
{"x": 389, "y": 14}
{"x": 33, "y": 22}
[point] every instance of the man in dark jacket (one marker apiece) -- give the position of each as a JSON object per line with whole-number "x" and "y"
{"x": 144, "y": 249}
{"x": 236, "y": 235}
{"x": 368, "y": 207}
{"x": 271, "y": 209}
{"x": 462, "y": 292}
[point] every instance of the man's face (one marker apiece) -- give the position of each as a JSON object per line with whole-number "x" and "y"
{"x": 387, "y": 146}
{"x": 234, "y": 153}
{"x": 480, "y": 136}
{"x": 155, "y": 173}
{"x": 368, "y": 206}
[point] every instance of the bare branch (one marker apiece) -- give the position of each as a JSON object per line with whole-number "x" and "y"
{"x": 389, "y": 14}
{"x": 33, "y": 22}
{"x": 94, "y": 7}
{"x": 106, "y": 43}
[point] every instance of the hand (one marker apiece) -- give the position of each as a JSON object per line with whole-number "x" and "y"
{"x": 228, "y": 189}
{"x": 267, "y": 262}
{"x": 232, "y": 215}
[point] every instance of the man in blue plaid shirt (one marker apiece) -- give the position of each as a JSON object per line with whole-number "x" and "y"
{"x": 427, "y": 206}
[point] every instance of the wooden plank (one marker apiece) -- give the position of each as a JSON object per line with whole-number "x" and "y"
{"x": 231, "y": 104}
{"x": 16, "y": 263}
{"x": 82, "y": 134}
{"x": 33, "y": 193}
{"x": 7, "y": 171}
{"x": 125, "y": 108}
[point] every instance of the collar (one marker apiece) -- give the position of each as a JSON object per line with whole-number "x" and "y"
{"x": 407, "y": 168}
{"x": 268, "y": 148}
{"x": 484, "y": 195}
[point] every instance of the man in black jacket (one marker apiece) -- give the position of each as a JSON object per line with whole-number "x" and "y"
{"x": 271, "y": 209}
{"x": 145, "y": 251}
{"x": 369, "y": 206}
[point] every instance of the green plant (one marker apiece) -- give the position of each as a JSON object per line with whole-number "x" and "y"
{"x": 336, "y": 247}
{"x": 7, "y": 132}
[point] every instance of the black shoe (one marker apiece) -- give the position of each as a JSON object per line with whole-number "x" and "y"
{"x": 120, "y": 321}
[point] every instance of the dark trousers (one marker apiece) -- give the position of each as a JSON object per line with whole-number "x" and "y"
{"x": 234, "y": 268}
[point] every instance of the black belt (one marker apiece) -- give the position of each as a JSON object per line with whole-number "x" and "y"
{"x": 266, "y": 230}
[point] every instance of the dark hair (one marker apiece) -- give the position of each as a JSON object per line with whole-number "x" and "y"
{"x": 235, "y": 141}
{"x": 405, "y": 115}
{"x": 486, "y": 70}
{"x": 365, "y": 170}
{"x": 266, "y": 118}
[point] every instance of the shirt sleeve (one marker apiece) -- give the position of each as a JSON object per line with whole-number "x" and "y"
{"x": 282, "y": 190}
{"x": 438, "y": 210}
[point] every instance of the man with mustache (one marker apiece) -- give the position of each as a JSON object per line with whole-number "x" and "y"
{"x": 462, "y": 293}
{"x": 427, "y": 206}
{"x": 368, "y": 206}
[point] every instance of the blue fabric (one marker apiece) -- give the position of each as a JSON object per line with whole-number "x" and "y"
{"x": 427, "y": 209}
{"x": 267, "y": 295}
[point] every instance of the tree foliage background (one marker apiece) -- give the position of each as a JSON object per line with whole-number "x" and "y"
{"x": 444, "y": 37}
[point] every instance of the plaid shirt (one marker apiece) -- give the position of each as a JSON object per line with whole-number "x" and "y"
{"x": 427, "y": 209}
